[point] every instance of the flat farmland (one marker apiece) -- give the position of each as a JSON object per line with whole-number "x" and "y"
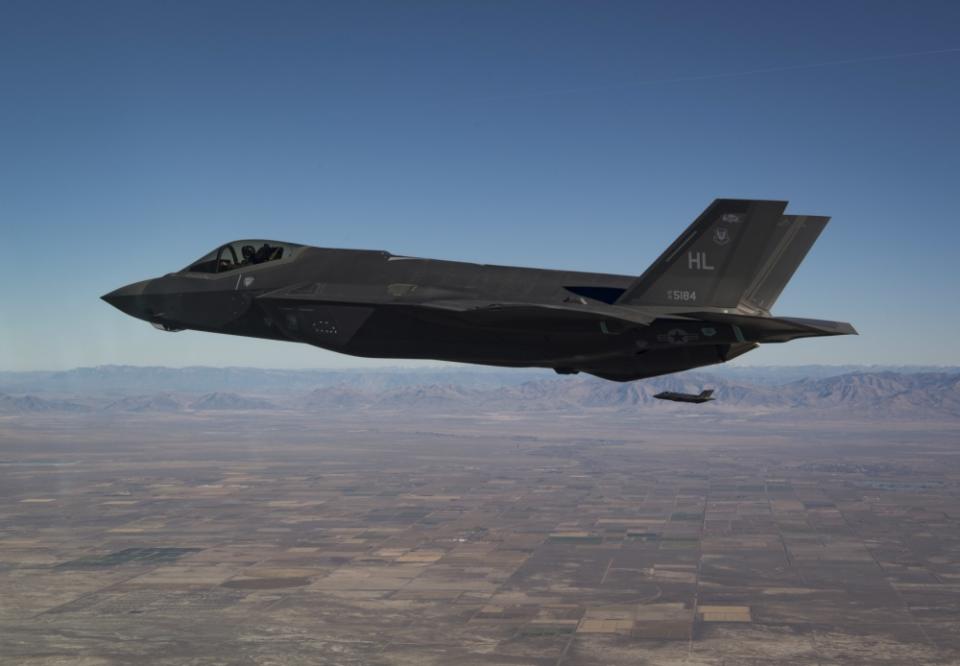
{"x": 494, "y": 538}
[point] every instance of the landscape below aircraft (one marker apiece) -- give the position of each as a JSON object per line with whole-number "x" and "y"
{"x": 705, "y": 300}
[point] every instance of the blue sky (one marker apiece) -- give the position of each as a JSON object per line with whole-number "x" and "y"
{"x": 136, "y": 136}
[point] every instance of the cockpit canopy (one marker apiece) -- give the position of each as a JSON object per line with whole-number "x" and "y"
{"x": 241, "y": 254}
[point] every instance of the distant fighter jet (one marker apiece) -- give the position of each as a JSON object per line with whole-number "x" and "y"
{"x": 706, "y": 300}
{"x": 704, "y": 396}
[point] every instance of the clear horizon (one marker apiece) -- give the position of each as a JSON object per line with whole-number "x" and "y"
{"x": 139, "y": 136}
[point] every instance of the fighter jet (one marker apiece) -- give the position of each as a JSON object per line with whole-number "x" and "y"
{"x": 705, "y": 300}
{"x": 704, "y": 396}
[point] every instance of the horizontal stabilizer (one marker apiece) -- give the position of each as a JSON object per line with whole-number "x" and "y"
{"x": 819, "y": 327}
{"x": 759, "y": 328}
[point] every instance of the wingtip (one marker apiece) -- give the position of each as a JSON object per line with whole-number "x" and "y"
{"x": 845, "y": 328}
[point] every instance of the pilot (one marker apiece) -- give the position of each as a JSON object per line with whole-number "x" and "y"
{"x": 248, "y": 254}
{"x": 265, "y": 253}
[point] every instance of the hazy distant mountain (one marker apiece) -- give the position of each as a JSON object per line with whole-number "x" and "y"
{"x": 30, "y": 403}
{"x": 120, "y": 379}
{"x": 158, "y": 402}
{"x": 341, "y": 396}
{"x": 884, "y": 393}
{"x": 433, "y": 394}
{"x": 214, "y": 401}
{"x": 123, "y": 380}
{"x": 784, "y": 374}
{"x": 167, "y": 402}
{"x": 865, "y": 394}
{"x": 874, "y": 394}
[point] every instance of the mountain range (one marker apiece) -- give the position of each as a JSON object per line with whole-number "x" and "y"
{"x": 865, "y": 393}
{"x": 122, "y": 380}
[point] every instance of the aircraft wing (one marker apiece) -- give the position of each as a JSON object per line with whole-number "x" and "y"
{"x": 500, "y": 311}
{"x": 479, "y": 311}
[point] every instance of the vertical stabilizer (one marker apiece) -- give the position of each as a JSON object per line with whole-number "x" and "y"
{"x": 714, "y": 261}
{"x": 793, "y": 238}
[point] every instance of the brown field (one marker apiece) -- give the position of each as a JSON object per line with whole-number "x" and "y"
{"x": 383, "y": 538}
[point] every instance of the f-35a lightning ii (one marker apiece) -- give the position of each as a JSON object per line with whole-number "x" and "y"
{"x": 705, "y": 395}
{"x": 706, "y": 300}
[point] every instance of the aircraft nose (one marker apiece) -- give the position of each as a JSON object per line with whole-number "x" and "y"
{"x": 129, "y": 299}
